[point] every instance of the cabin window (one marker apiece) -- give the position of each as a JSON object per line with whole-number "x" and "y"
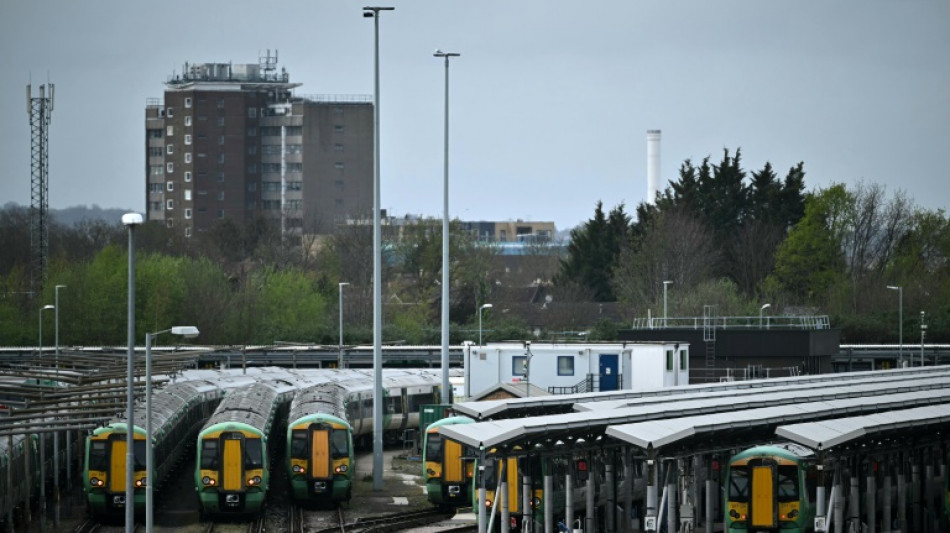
{"x": 340, "y": 443}
{"x": 209, "y": 454}
{"x": 98, "y": 459}
{"x": 684, "y": 360}
{"x": 298, "y": 444}
{"x": 787, "y": 483}
{"x": 253, "y": 454}
{"x": 434, "y": 447}
{"x": 669, "y": 360}
{"x": 565, "y": 365}
{"x": 738, "y": 484}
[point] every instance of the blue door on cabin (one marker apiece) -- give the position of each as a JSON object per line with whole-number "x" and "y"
{"x": 608, "y": 372}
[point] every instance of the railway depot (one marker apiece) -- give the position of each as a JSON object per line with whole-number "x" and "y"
{"x": 870, "y": 448}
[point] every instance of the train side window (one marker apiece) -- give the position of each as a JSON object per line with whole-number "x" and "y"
{"x": 298, "y": 443}
{"x": 434, "y": 447}
{"x": 209, "y": 454}
{"x": 339, "y": 443}
{"x": 253, "y": 454}
{"x": 98, "y": 460}
{"x": 738, "y": 484}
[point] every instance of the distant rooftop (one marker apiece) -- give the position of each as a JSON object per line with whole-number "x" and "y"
{"x": 263, "y": 72}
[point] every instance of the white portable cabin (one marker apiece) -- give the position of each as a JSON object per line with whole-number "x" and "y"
{"x": 564, "y": 368}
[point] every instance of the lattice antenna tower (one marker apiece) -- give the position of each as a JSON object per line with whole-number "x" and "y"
{"x": 39, "y": 108}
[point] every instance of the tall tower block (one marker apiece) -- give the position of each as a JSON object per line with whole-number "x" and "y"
{"x": 653, "y": 165}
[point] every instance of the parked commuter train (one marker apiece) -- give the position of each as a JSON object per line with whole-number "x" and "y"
{"x": 320, "y": 461}
{"x": 232, "y": 468}
{"x": 177, "y": 413}
{"x": 447, "y": 467}
{"x": 326, "y": 421}
{"x": 767, "y": 489}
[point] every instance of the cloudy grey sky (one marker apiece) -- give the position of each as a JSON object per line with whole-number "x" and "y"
{"x": 550, "y": 100}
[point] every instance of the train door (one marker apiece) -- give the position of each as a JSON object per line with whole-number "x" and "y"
{"x": 453, "y": 469}
{"x": 608, "y": 372}
{"x": 762, "y": 509}
{"x": 319, "y": 453}
{"x": 117, "y": 465}
{"x": 232, "y": 470}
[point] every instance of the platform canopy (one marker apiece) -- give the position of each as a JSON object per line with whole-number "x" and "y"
{"x": 826, "y": 434}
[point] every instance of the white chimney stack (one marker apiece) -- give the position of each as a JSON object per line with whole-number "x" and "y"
{"x": 653, "y": 165}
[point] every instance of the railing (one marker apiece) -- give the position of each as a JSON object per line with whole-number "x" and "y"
{"x": 735, "y": 322}
{"x": 591, "y": 383}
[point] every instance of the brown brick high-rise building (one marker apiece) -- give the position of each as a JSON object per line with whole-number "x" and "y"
{"x": 234, "y": 141}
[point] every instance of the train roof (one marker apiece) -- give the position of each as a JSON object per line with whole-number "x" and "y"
{"x": 324, "y": 399}
{"x": 254, "y": 406}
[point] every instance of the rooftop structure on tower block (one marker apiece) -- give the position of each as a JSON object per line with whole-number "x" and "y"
{"x": 234, "y": 141}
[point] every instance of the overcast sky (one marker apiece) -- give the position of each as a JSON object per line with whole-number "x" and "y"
{"x": 549, "y": 102}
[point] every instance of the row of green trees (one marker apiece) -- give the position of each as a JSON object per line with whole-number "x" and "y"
{"x": 737, "y": 243}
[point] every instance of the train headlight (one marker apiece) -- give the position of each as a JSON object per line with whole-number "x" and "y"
{"x": 138, "y": 482}
{"x": 535, "y": 503}
{"x": 793, "y": 514}
{"x": 207, "y": 481}
{"x": 488, "y": 503}
{"x": 96, "y": 482}
{"x": 341, "y": 469}
{"x": 734, "y": 514}
{"x": 256, "y": 480}
{"x": 298, "y": 469}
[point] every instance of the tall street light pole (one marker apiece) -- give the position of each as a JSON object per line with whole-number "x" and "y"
{"x": 185, "y": 331}
{"x": 900, "y": 322}
{"x": 339, "y": 363}
{"x": 44, "y": 308}
{"x": 445, "y": 236}
{"x": 480, "y": 309}
{"x": 665, "y": 285}
{"x": 373, "y": 12}
{"x": 761, "y": 309}
{"x": 130, "y": 220}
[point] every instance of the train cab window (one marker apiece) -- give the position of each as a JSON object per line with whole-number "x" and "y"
{"x": 739, "y": 484}
{"x": 253, "y": 454}
{"x": 138, "y": 450}
{"x": 393, "y": 405}
{"x": 209, "y": 454}
{"x": 298, "y": 444}
{"x": 434, "y": 447}
{"x": 787, "y": 483}
{"x": 339, "y": 443}
{"x": 98, "y": 459}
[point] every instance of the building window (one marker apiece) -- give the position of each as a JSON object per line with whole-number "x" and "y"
{"x": 170, "y": 186}
{"x": 154, "y": 134}
{"x": 187, "y": 213}
{"x": 155, "y": 206}
{"x": 338, "y": 202}
{"x": 170, "y": 112}
{"x": 170, "y": 149}
{"x": 221, "y": 158}
{"x": 170, "y": 223}
{"x": 221, "y": 177}
{"x": 155, "y": 187}
{"x": 169, "y": 167}
{"x": 252, "y": 112}
{"x": 565, "y": 365}
{"x": 169, "y": 204}
{"x": 220, "y": 213}
{"x": 187, "y": 157}
{"x": 338, "y": 165}
{"x": 684, "y": 360}
{"x": 220, "y": 103}
{"x": 293, "y": 205}
{"x": 220, "y": 139}
{"x": 337, "y": 147}
{"x": 187, "y": 102}
{"x": 294, "y": 185}
{"x": 338, "y": 109}
{"x": 669, "y": 360}
{"x": 155, "y": 151}
{"x": 519, "y": 365}
{"x": 188, "y": 120}
{"x": 338, "y": 128}
{"x": 187, "y": 195}
{"x": 220, "y": 121}
{"x": 252, "y": 168}
{"x": 169, "y": 131}
{"x": 252, "y": 149}
{"x": 251, "y": 186}
{"x": 252, "y": 132}
{"x": 338, "y": 183}
{"x": 187, "y": 138}
{"x": 187, "y": 176}
{"x": 188, "y": 232}
{"x": 220, "y": 196}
